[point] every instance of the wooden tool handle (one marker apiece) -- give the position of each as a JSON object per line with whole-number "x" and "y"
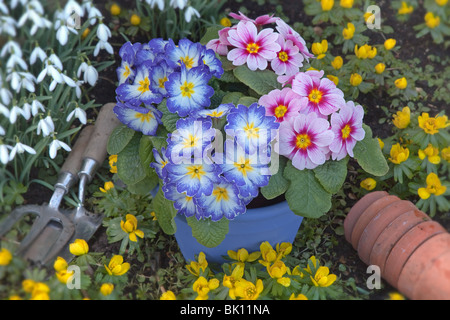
{"x": 105, "y": 124}
{"x": 73, "y": 161}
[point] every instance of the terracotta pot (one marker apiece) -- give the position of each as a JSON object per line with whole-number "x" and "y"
{"x": 358, "y": 209}
{"x": 392, "y": 233}
{"x": 405, "y": 246}
{"x": 434, "y": 282}
{"x": 367, "y": 215}
{"x": 420, "y": 260}
{"x": 378, "y": 223}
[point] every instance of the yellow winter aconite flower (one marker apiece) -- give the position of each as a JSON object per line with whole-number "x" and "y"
{"x": 283, "y": 249}
{"x": 323, "y": 278}
{"x": 60, "y": 264}
{"x": 247, "y": 290}
{"x": 107, "y": 186}
{"x": 130, "y": 227}
{"x": 115, "y": 9}
{"x": 396, "y": 296}
{"x": 431, "y": 20}
{"x": 431, "y": 153}
{"x": 229, "y": 281}
{"x": 348, "y": 32}
{"x": 85, "y": 33}
{"x": 113, "y": 163}
{"x": 398, "y": 154}
{"x": 431, "y": 125}
{"x": 334, "y": 79}
{"x": 225, "y": 22}
{"x": 168, "y": 295}
{"x": 401, "y": 83}
{"x": 365, "y": 51}
{"x": 268, "y": 254}
{"x": 380, "y": 67}
{"x": 445, "y": 154}
{"x": 116, "y": 266}
{"x": 135, "y": 20}
{"x": 441, "y": 2}
{"x": 389, "y": 44}
{"x": 368, "y": 184}
{"x": 40, "y": 291}
{"x": 277, "y": 271}
{"x": 346, "y": 4}
{"x": 337, "y": 62}
{"x": 15, "y": 297}
{"x": 434, "y": 186}
{"x": 320, "y": 48}
{"x": 300, "y": 296}
{"x": 355, "y": 79}
{"x": 381, "y": 143}
{"x": 327, "y": 5}
{"x": 402, "y": 118}
{"x": 405, "y": 8}
{"x": 106, "y": 289}
{"x": 5, "y": 257}
{"x": 28, "y": 285}
{"x": 196, "y": 266}
{"x": 367, "y": 16}
{"x": 242, "y": 255}
{"x": 202, "y": 286}
{"x": 79, "y": 247}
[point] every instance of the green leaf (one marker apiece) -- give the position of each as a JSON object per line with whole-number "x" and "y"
{"x": 164, "y": 212}
{"x": 305, "y": 195}
{"x": 262, "y": 81}
{"x": 247, "y": 101}
{"x": 332, "y": 174}
{"x": 168, "y": 118}
{"x": 207, "y": 232}
{"x": 129, "y": 167}
{"x": 367, "y": 153}
{"x": 210, "y": 34}
{"x": 146, "y": 154}
{"x": 119, "y": 139}
{"x": 277, "y": 183}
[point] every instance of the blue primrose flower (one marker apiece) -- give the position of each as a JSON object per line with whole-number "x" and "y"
{"x": 160, "y": 75}
{"x": 194, "y": 179}
{"x": 210, "y": 60}
{"x": 184, "y": 204}
{"x": 224, "y": 201}
{"x": 191, "y": 139}
{"x": 187, "y": 53}
{"x": 188, "y": 90}
{"x": 219, "y": 112}
{"x": 160, "y": 162}
{"x": 248, "y": 172}
{"x": 143, "y": 119}
{"x": 141, "y": 90}
{"x": 251, "y": 128}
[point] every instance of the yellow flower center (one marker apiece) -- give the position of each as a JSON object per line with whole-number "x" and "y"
{"x": 144, "y": 117}
{"x": 346, "y": 131}
{"x": 127, "y": 71}
{"x": 252, "y": 48}
{"x": 195, "y": 171}
{"x": 220, "y": 194}
{"x": 280, "y": 111}
{"x": 188, "y": 62}
{"x": 191, "y": 141}
{"x": 303, "y": 141}
{"x": 244, "y": 166}
{"x": 215, "y": 114}
{"x": 162, "y": 81}
{"x": 144, "y": 85}
{"x": 315, "y": 96}
{"x": 187, "y": 89}
{"x": 251, "y": 131}
{"x": 283, "y": 56}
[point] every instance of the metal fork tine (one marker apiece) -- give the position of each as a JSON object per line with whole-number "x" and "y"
{"x": 15, "y": 216}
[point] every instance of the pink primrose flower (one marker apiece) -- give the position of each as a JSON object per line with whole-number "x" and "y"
{"x": 288, "y": 60}
{"x": 290, "y": 34}
{"x": 283, "y": 104}
{"x": 262, "y": 20}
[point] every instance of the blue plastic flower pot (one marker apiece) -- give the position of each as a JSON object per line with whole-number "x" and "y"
{"x": 275, "y": 224}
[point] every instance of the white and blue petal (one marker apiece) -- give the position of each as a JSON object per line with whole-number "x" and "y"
{"x": 160, "y": 162}
{"x": 142, "y": 119}
{"x": 184, "y": 204}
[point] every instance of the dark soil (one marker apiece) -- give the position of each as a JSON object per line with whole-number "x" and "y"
{"x": 411, "y": 48}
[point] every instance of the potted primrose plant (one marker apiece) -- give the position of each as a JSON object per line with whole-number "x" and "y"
{"x": 212, "y": 128}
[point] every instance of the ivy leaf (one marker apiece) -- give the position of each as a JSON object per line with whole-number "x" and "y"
{"x": 305, "y": 195}
{"x": 261, "y": 81}
{"x": 332, "y": 174}
{"x": 367, "y": 153}
{"x": 119, "y": 139}
{"x": 207, "y": 232}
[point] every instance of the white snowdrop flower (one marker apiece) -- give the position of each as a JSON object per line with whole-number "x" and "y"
{"x": 46, "y": 126}
{"x": 20, "y": 148}
{"x": 14, "y": 81}
{"x": 190, "y": 11}
{"x": 42, "y": 23}
{"x": 178, "y": 4}
{"x": 4, "y": 8}
{"x": 91, "y": 75}
{"x": 37, "y": 53}
{"x": 14, "y": 112}
{"x": 26, "y": 110}
{"x": 56, "y": 61}
{"x": 11, "y": 47}
{"x": 8, "y": 26}
{"x": 94, "y": 14}
{"x": 27, "y": 81}
{"x": 5, "y": 95}
{"x": 103, "y": 45}
{"x": 78, "y": 85}
{"x": 103, "y": 32}
{"x": 14, "y": 3}
{"x": 51, "y": 71}
{"x": 56, "y": 145}
{"x": 72, "y": 7}
{"x": 15, "y": 60}
{"x": 62, "y": 35}
{"x": 79, "y": 113}
{"x": 2, "y": 131}
{"x": 69, "y": 81}
{"x": 4, "y": 153}
{"x": 4, "y": 110}
{"x": 36, "y": 105}
{"x": 81, "y": 69}
{"x": 160, "y": 4}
